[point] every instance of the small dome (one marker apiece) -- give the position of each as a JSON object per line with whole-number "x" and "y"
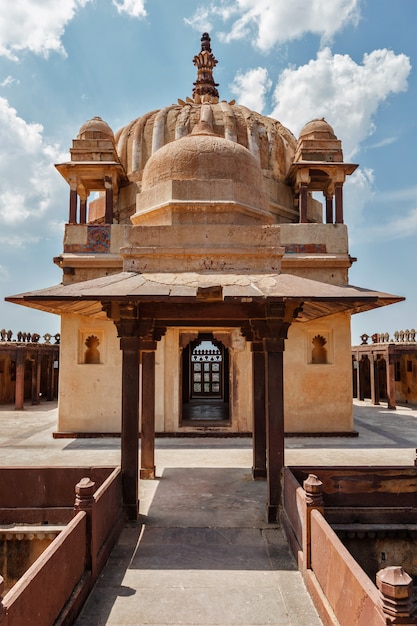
{"x": 95, "y": 128}
{"x": 202, "y": 155}
{"x": 317, "y": 126}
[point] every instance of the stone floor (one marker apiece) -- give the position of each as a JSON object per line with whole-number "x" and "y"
{"x": 214, "y": 412}
{"x": 201, "y": 552}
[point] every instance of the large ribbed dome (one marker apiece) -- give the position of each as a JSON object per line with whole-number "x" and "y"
{"x": 236, "y": 135}
{"x": 271, "y": 143}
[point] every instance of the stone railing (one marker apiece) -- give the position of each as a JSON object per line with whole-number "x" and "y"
{"x": 399, "y": 336}
{"x": 22, "y": 337}
{"x": 341, "y": 590}
{"x": 54, "y": 587}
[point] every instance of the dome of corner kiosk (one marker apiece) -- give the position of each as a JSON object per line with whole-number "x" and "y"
{"x": 96, "y": 128}
{"x": 315, "y": 127}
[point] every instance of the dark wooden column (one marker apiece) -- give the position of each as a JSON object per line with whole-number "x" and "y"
{"x": 329, "y": 209}
{"x": 108, "y": 216}
{"x": 147, "y": 448}
{"x": 50, "y": 378}
{"x": 259, "y": 411}
{"x": 83, "y": 209}
{"x": 35, "y": 374}
{"x": 272, "y": 332}
{"x": 274, "y": 425}
{"x": 135, "y": 335}
{"x": 303, "y": 203}
{"x": 374, "y": 371}
{"x": 19, "y": 394}
{"x": 361, "y": 394}
{"x": 338, "y": 192}
{"x": 38, "y": 377}
{"x": 392, "y": 403}
{"x": 73, "y": 205}
{"x": 130, "y": 426}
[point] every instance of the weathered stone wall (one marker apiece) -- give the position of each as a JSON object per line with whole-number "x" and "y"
{"x": 318, "y": 396}
{"x": 90, "y": 392}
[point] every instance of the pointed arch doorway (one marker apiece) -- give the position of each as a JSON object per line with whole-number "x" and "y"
{"x": 205, "y": 383}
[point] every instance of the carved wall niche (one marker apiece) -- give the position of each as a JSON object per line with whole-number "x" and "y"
{"x": 319, "y": 348}
{"x": 91, "y": 347}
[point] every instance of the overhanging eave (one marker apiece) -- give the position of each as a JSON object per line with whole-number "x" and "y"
{"x": 318, "y": 299}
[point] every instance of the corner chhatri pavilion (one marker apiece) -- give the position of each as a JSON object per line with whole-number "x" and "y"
{"x": 205, "y": 254}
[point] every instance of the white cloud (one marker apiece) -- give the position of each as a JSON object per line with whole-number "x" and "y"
{"x": 4, "y": 274}
{"x": 30, "y": 183}
{"x": 251, "y": 88}
{"x": 134, "y": 8}
{"x": 345, "y": 93}
{"x": 266, "y": 23}
{"x": 388, "y": 141}
{"x": 35, "y": 25}
{"x": 400, "y": 227}
{"x": 358, "y": 190}
{"x": 9, "y": 80}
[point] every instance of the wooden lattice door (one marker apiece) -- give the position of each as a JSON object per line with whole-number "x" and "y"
{"x": 206, "y": 373}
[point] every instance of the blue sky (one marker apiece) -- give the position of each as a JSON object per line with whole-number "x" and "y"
{"x": 352, "y": 61}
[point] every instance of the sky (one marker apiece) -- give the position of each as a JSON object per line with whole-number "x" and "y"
{"x": 351, "y": 61}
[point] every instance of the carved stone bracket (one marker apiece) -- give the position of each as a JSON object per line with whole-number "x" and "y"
{"x": 127, "y": 319}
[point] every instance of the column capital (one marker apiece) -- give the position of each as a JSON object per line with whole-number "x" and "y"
{"x": 257, "y": 346}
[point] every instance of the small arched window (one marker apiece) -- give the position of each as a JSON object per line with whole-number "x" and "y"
{"x": 92, "y": 353}
{"x": 319, "y": 352}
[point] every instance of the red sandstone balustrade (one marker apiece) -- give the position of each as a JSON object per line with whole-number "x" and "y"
{"x": 57, "y": 584}
{"x": 40, "y": 594}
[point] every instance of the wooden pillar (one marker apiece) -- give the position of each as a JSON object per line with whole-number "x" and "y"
{"x": 35, "y": 373}
{"x": 303, "y": 203}
{"x": 329, "y": 209}
{"x": 339, "y": 202}
{"x": 361, "y": 394}
{"x": 274, "y": 424}
{"x": 108, "y": 216}
{"x": 38, "y": 377}
{"x": 147, "y": 454}
{"x": 83, "y": 210}
{"x": 19, "y": 396}
{"x": 259, "y": 411}
{"x": 372, "y": 377}
{"x": 375, "y": 384}
{"x": 130, "y": 426}
{"x": 50, "y": 378}
{"x": 392, "y": 404}
{"x": 73, "y": 205}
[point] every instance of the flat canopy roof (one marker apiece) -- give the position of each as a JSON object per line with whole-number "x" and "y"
{"x": 319, "y": 299}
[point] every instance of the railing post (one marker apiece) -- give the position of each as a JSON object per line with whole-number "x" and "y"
{"x": 396, "y": 589}
{"x": 2, "y": 608}
{"x": 313, "y": 489}
{"x": 84, "y": 501}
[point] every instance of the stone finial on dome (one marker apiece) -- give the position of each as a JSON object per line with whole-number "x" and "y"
{"x": 205, "y": 87}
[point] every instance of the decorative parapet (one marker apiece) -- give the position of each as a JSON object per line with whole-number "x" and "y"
{"x": 23, "y": 337}
{"x": 400, "y": 336}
